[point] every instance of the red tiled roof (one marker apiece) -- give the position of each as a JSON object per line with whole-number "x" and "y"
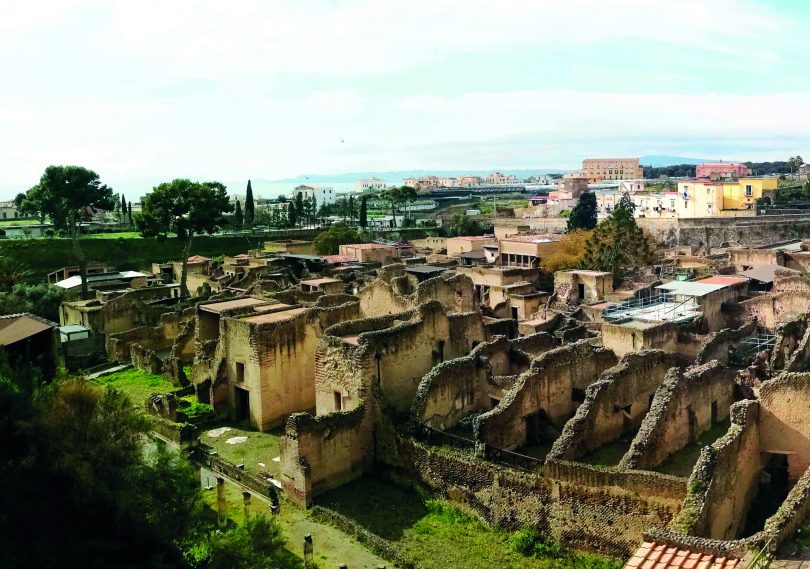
{"x": 653, "y": 555}
{"x": 723, "y": 279}
{"x": 474, "y": 238}
{"x": 335, "y": 259}
{"x": 198, "y": 259}
{"x": 535, "y": 238}
{"x": 367, "y": 246}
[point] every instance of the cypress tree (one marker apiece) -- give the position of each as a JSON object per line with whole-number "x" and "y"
{"x": 123, "y": 204}
{"x": 363, "y": 217}
{"x": 238, "y": 219}
{"x": 583, "y": 216}
{"x": 250, "y": 208}
{"x": 292, "y": 214}
{"x": 129, "y": 212}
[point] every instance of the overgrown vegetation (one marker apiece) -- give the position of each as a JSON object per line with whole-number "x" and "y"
{"x": 618, "y": 244}
{"x": 137, "y": 384}
{"x": 329, "y": 241}
{"x": 568, "y": 254}
{"x": 84, "y": 490}
{"x": 433, "y": 533}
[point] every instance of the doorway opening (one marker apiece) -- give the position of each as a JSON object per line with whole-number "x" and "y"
{"x": 242, "y": 404}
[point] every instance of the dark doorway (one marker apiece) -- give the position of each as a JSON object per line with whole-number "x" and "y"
{"x": 514, "y": 313}
{"x": 537, "y": 426}
{"x": 242, "y": 404}
{"x": 773, "y": 489}
{"x": 714, "y": 413}
{"x": 581, "y": 291}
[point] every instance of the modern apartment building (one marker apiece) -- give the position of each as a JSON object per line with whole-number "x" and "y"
{"x": 369, "y": 184}
{"x": 323, "y": 194}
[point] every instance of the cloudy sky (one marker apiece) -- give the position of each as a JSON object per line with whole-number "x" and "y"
{"x": 145, "y": 90}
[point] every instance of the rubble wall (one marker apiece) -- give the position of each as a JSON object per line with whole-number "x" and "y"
{"x": 549, "y": 386}
{"x": 615, "y": 404}
{"x": 680, "y": 412}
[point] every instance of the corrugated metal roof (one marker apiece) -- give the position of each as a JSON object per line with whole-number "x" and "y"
{"x": 690, "y": 288}
{"x": 653, "y": 555}
{"x": 766, "y": 273}
{"x": 18, "y": 327}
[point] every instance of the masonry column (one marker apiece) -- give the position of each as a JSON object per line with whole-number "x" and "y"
{"x": 246, "y": 504}
{"x": 222, "y": 504}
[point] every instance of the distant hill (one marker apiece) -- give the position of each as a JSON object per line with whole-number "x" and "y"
{"x": 395, "y": 176}
{"x": 657, "y": 161}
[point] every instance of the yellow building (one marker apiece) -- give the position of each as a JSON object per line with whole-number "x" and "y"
{"x": 704, "y": 198}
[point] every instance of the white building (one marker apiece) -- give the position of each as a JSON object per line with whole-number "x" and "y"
{"x": 324, "y": 195}
{"x": 369, "y": 184}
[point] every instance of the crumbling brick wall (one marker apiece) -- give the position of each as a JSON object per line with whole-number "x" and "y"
{"x": 547, "y": 386}
{"x": 570, "y": 503}
{"x": 684, "y": 407}
{"x": 725, "y": 479}
{"x": 615, "y": 404}
{"x": 773, "y": 309}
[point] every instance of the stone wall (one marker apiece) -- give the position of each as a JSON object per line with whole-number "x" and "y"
{"x": 725, "y": 479}
{"x": 451, "y": 391}
{"x": 773, "y": 309}
{"x": 624, "y": 339}
{"x": 547, "y": 386}
{"x": 615, "y": 404}
{"x": 715, "y": 346}
{"x": 389, "y": 294}
{"x": 750, "y": 232}
{"x": 681, "y": 410}
{"x": 587, "y": 508}
{"x": 321, "y": 453}
{"x": 785, "y": 420}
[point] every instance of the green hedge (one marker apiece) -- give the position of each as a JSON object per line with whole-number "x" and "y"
{"x": 46, "y": 255}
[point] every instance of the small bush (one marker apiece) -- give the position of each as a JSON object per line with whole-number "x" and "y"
{"x": 446, "y": 512}
{"x": 529, "y": 543}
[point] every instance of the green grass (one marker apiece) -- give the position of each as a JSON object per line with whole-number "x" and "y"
{"x": 193, "y": 408}
{"x": 258, "y": 448}
{"x": 137, "y": 384}
{"x": 331, "y": 546}
{"x": 7, "y": 222}
{"x": 117, "y": 235}
{"x": 610, "y": 454}
{"x": 487, "y": 207}
{"x": 435, "y": 534}
{"x": 682, "y": 462}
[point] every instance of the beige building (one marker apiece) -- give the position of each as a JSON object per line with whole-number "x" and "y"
{"x": 458, "y": 245}
{"x": 598, "y": 169}
{"x": 370, "y": 252}
{"x": 290, "y": 247}
{"x": 527, "y": 250}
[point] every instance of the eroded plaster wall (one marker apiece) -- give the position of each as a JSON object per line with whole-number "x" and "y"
{"x": 614, "y": 405}
{"x": 548, "y": 386}
{"x": 686, "y": 405}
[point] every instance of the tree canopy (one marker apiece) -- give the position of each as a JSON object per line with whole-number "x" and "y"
{"x": 88, "y": 487}
{"x": 569, "y": 252}
{"x": 618, "y": 244}
{"x": 186, "y": 208}
{"x": 68, "y": 195}
{"x": 328, "y": 242}
{"x": 583, "y": 215}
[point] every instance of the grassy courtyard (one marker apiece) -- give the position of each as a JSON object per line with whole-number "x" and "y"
{"x": 331, "y": 546}
{"x": 435, "y": 535}
{"x": 240, "y": 445}
{"x": 137, "y": 384}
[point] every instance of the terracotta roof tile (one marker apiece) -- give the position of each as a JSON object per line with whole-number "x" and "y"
{"x": 335, "y": 259}
{"x": 651, "y": 555}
